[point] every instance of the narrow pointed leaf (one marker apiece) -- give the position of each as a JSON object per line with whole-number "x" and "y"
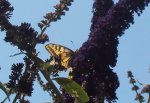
{"x": 74, "y": 89}
{"x": 3, "y": 88}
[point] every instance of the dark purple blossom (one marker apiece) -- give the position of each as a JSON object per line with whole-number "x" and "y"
{"x": 5, "y": 9}
{"x": 25, "y": 37}
{"x": 146, "y": 89}
{"x": 21, "y": 80}
{"x": 5, "y": 13}
{"x": 99, "y": 53}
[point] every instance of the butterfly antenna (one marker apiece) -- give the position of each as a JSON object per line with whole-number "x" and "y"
{"x": 73, "y": 45}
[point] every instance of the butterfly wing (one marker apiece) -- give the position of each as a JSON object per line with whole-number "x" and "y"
{"x": 51, "y": 49}
{"x": 66, "y": 58}
{"x": 65, "y": 54}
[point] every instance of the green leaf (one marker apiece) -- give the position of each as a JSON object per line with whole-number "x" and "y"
{"x": 4, "y": 89}
{"x": 48, "y": 67}
{"x": 72, "y": 88}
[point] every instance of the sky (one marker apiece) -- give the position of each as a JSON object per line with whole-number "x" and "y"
{"x": 133, "y": 49}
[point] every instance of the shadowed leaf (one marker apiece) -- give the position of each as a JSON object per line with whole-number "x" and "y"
{"x": 73, "y": 89}
{"x": 3, "y": 88}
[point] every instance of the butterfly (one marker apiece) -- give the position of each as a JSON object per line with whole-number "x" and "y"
{"x": 63, "y": 54}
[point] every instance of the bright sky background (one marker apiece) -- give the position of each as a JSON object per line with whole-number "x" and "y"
{"x": 134, "y": 48}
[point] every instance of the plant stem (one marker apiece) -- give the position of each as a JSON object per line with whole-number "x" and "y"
{"x": 148, "y": 100}
{"x": 101, "y": 99}
{"x": 43, "y": 30}
{"x": 39, "y": 63}
{"x": 16, "y": 97}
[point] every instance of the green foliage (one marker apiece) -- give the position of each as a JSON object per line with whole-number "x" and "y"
{"x": 48, "y": 66}
{"x": 73, "y": 89}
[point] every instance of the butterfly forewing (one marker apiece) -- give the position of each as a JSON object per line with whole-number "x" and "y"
{"x": 50, "y": 49}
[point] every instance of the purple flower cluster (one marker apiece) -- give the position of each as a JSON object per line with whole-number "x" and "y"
{"x": 5, "y": 13}
{"x": 92, "y": 65}
{"x": 25, "y": 37}
{"x": 21, "y": 80}
{"x": 5, "y": 9}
